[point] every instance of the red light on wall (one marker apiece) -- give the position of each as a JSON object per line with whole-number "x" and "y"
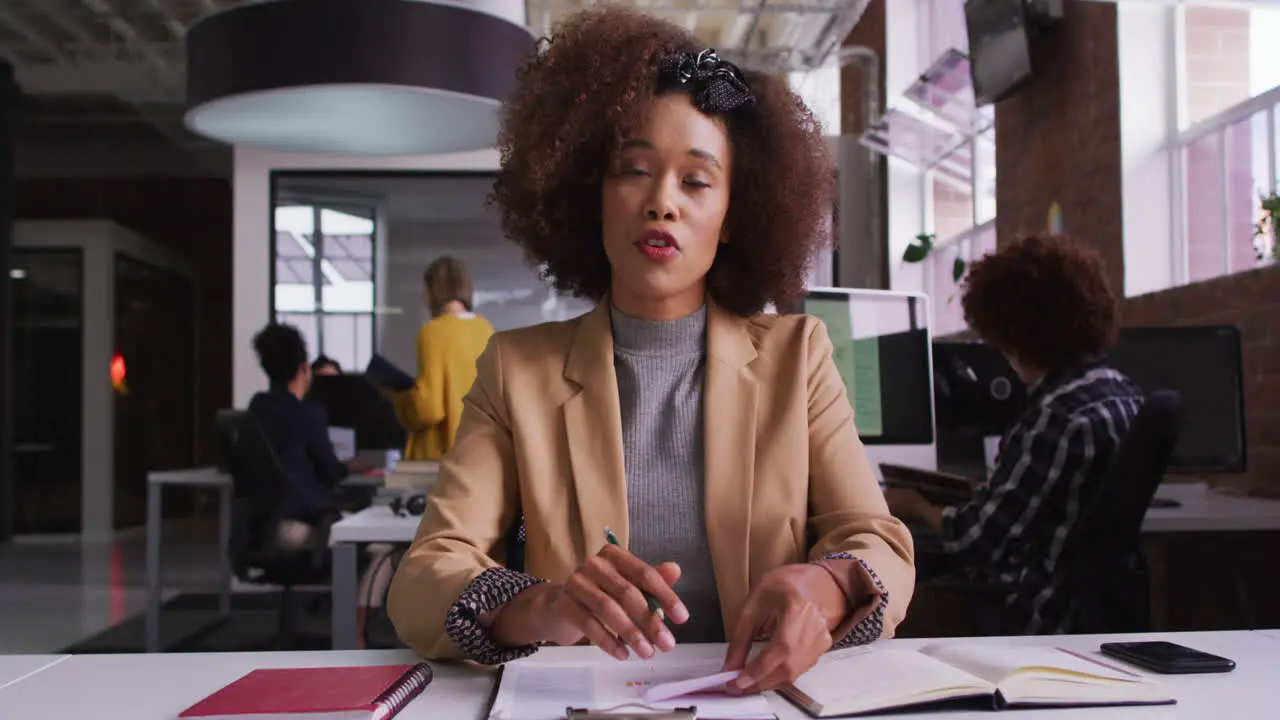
{"x": 119, "y": 374}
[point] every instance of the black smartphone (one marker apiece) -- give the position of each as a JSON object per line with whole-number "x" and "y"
{"x": 1167, "y": 658}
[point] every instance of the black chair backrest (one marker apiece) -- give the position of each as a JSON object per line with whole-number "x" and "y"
{"x": 1106, "y": 570}
{"x": 258, "y": 486}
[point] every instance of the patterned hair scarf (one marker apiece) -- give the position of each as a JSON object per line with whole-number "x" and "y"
{"x": 719, "y": 85}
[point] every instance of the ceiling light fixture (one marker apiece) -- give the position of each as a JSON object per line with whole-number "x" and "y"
{"x": 373, "y": 77}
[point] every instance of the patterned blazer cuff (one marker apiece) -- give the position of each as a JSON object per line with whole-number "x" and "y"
{"x": 866, "y": 623}
{"x": 489, "y": 591}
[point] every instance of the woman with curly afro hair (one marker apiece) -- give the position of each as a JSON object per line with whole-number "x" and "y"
{"x": 1045, "y": 304}
{"x": 683, "y": 195}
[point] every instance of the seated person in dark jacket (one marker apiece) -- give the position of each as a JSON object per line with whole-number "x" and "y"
{"x": 298, "y": 431}
{"x": 1045, "y": 304}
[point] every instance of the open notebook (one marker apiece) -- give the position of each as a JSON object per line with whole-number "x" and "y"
{"x": 867, "y": 680}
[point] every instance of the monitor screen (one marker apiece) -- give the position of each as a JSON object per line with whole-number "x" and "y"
{"x": 974, "y": 387}
{"x": 881, "y": 348}
{"x": 1203, "y": 364}
{"x": 999, "y": 48}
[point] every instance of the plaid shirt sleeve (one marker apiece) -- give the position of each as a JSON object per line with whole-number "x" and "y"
{"x": 1032, "y": 461}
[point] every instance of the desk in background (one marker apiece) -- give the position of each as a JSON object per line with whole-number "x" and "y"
{"x": 377, "y": 524}
{"x": 203, "y": 477}
{"x": 16, "y": 668}
{"x": 158, "y": 687}
{"x": 1205, "y": 510}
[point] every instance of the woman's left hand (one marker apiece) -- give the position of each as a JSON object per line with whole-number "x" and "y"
{"x": 794, "y": 609}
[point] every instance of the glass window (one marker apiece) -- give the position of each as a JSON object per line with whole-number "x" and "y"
{"x": 952, "y": 208}
{"x": 1205, "y": 207}
{"x": 346, "y": 261}
{"x": 942, "y": 27}
{"x": 295, "y": 252}
{"x": 1248, "y": 168}
{"x": 1229, "y": 55}
{"x": 324, "y": 278}
{"x": 944, "y": 293}
{"x": 349, "y": 338}
{"x": 984, "y": 178}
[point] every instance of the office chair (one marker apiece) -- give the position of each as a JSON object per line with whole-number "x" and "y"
{"x": 1105, "y": 571}
{"x": 257, "y": 551}
{"x": 1107, "y": 574}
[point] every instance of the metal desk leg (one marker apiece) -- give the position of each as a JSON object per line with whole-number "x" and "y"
{"x": 155, "y": 522}
{"x": 345, "y": 589}
{"x": 224, "y": 549}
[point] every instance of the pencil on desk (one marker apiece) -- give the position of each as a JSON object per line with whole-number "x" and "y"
{"x": 654, "y": 607}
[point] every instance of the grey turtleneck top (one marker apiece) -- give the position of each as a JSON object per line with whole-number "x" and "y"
{"x": 661, "y": 367}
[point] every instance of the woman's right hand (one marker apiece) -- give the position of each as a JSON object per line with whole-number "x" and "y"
{"x": 601, "y": 601}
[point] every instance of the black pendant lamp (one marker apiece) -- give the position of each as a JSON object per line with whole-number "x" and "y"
{"x": 355, "y": 77}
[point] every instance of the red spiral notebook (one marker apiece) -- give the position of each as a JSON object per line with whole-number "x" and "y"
{"x": 324, "y": 693}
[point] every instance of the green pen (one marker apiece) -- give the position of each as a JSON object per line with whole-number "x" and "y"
{"x": 654, "y": 607}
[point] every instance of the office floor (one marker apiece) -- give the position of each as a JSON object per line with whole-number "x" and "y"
{"x": 57, "y": 591}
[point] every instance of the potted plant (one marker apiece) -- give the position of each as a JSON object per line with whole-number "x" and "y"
{"x": 1265, "y": 242}
{"x": 922, "y": 247}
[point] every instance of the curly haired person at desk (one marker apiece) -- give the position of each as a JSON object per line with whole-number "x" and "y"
{"x": 298, "y": 431}
{"x": 683, "y": 196}
{"x": 1045, "y": 304}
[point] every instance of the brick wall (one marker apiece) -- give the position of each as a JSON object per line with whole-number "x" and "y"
{"x": 1058, "y": 140}
{"x": 1216, "y": 50}
{"x": 191, "y": 217}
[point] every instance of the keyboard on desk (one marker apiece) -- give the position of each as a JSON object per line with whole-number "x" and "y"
{"x": 937, "y": 487}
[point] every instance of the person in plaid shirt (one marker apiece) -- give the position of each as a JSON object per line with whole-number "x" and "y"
{"x": 1044, "y": 302}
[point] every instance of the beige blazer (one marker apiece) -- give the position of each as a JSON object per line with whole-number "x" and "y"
{"x": 787, "y": 478}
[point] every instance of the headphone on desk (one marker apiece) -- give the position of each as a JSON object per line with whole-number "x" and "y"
{"x": 413, "y": 505}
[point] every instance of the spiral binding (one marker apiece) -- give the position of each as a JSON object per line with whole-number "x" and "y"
{"x": 409, "y": 686}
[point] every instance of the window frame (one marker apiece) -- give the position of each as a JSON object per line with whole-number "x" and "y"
{"x": 1219, "y": 127}
{"x": 319, "y": 202}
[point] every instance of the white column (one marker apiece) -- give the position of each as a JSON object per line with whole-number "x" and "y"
{"x": 1147, "y": 37}
{"x": 97, "y": 461}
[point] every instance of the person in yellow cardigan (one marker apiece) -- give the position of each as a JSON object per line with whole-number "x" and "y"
{"x": 448, "y": 346}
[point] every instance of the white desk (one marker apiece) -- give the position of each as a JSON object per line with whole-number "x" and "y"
{"x": 15, "y": 668}
{"x": 205, "y": 477}
{"x": 158, "y": 687}
{"x": 377, "y": 524}
{"x": 1204, "y": 510}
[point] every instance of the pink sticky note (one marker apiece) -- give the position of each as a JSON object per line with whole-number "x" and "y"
{"x": 666, "y": 691}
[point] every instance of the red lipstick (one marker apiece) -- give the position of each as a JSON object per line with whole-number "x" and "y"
{"x": 658, "y": 245}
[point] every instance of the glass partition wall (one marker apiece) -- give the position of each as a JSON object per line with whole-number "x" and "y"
{"x": 48, "y": 347}
{"x": 103, "y": 368}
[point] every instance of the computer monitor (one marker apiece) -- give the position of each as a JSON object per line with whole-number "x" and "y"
{"x": 977, "y": 397}
{"x": 882, "y": 349}
{"x": 352, "y": 402}
{"x": 1203, "y": 364}
{"x": 1000, "y": 39}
